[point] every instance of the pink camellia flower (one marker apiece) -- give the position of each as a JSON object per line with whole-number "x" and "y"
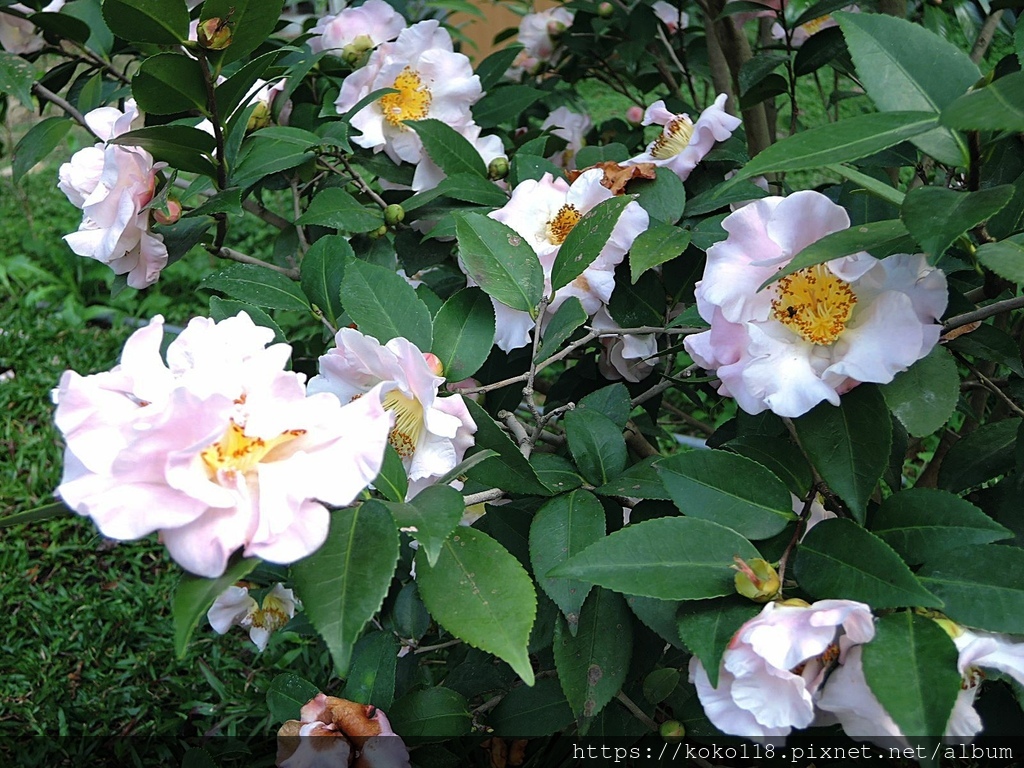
{"x": 571, "y": 126}
{"x": 112, "y": 184}
{"x": 848, "y": 700}
{"x": 432, "y": 82}
{"x": 18, "y": 35}
{"x": 218, "y": 449}
{"x": 543, "y": 213}
{"x": 539, "y": 32}
{"x": 626, "y": 356}
{"x": 816, "y": 333}
{"x": 683, "y": 143}
{"x": 429, "y": 432}
{"x": 775, "y": 664}
{"x": 671, "y": 16}
{"x": 236, "y": 607}
{"x": 355, "y": 31}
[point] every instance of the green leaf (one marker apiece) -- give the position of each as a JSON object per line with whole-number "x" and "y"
{"x": 998, "y": 106}
{"x": 592, "y": 665}
{"x": 252, "y": 22}
{"x": 169, "y": 82}
{"x": 877, "y": 188}
{"x": 527, "y": 713}
{"x": 839, "y": 559}
{"x": 849, "y": 445}
{"x": 656, "y": 245}
{"x": 586, "y": 240}
{"x": 258, "y": 285}
{"x": 194, "y": 596}
{"x": 639, "y": 304}
{"x": 506, "y": 104}
{"x": 557, "y": 473}
{"x": 1005, "y": 258}
{"x": 287, "y": 694}
{"x": 937, "y": 216}
{"x": 911, "y": 667}
{"x": 232, "y": 91}
{"x": 657, "y": 615}
{"x": 164, "y": 22}
{"x": 663, "y": 197}
{"x": 464, "y": 333}
{"x": 227, "y": 201}
{"x": 671, "y": 558}
{"x": 612, "y": 401}
{"x": 221, "y": 309}
{"x": 467, "y": 187}
{"x": 563, "y": 527}
{"x": 384, "y": 305}
{"x": 983, "y": 455}
{"x": 41, "y": 139}
{"x": 492, "y": 69}
{"x": 707, "y": 626}
{"x": 392, "y": 480}
{"x": 336, "y": 208}
{"x": 640, "y": 481}
{"x": 450, "y": 150}
{"x": 433, "y": 714}
{"x": 500, "y": 261}
{"x": 45, "y": 512}
{"x": 723, "y": 195}
{"x": 903, "y": 66}
{"x": 848, "y": 139}
{"x": 879, "y": 238}
{"x": 526, "y": 166}
{"x": 660, "y": 684}
{"x": 921, "y": 522}
{"x": 596, "y": 443}
{"x": 728, "y": 489}
{"x": 481, "y": 594}
{"x": 196, "y": 757}
{"x": 371, "y": 679}
{"x": 321, "y": 273}
{"x": 429, "y": 517}
{"x": 924, "y": 396}
{"x": 781, "y": 457}
{"x": 986, "y": 342}
{"x": 509, "y": 470}
{"x": 593, "y": 154}
{"x": 181, "y": 147}
{"x": 343, "y": 584}
{"x": 981, "y": 586}
{"x": 567, "y": 318}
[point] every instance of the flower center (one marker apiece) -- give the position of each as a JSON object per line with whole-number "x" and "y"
{"x": 272, "y": 616}
{"x": 814, "y": 303}
{"x": 238, "y": 452}
{"x": 559, "y": 227}
{"x": 405, "y": 435}
{"x": 674, "y": 138}
{"x": 412, "y": 102}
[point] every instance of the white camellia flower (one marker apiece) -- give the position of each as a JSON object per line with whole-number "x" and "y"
{"x": 543, "y": 213}
{"x": 218, "y": 449}
{"x": 236, "y": 607}
{"x": 683, "y": 143}
{"x": 18, "y": 35}
{"x": 626, "y": 356}
{"x": 539, "y": 32}
{"x": 775, "y": 665}
{"x": 112, "y": 184}
{"x": 571, "y": 126}
{"x": 356, "y": 30}
{"x": 819, "y": 332}
{"x": 848, "y": 700}
{"x": 672, "y": 17}
{"x": 799, "y": 35}
{"x": 429, "y": 432}
{"x": 432, "y": 82}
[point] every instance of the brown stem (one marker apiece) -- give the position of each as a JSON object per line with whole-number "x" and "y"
{"x": 242, "y": 258}
{"x": 982, "y": 313}
{"x": 985, "y": 35}
{"x": 45, "y": 93}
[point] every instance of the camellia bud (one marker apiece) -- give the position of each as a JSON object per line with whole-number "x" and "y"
{"x": 756, "y": 580}
{"x": 215, "y": 34}
{"x": 170, "y": 214}
{"x": 394, "y": 215}
{"x": 672, "y": 731}
{"x": 379, "y": 232}
{"x": 555, "y": 29}
{"x": 605, "y": 10}
{"x": 353, "y": 53}
{"x": 434, "y": 363}
{"x": 497, "y": 169}
{"x": 259, "y": 117}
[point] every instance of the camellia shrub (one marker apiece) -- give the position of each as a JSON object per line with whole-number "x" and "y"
{"x": 681, "y": 408}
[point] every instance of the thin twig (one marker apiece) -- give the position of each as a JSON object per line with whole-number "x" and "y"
{"x": 990, "y": 385}
{"x": 242, "y": 258}
{"x": 483, "y": 496}
{"x": 985, "y": 35}
{"x": 438, "y": 647}
{"x": 45, "y": 93}
{"x": 360, "y": 181}
{"x": 982, "y": 313}
{"x": 634, "y": 710}
{"x": 518, "y": 431}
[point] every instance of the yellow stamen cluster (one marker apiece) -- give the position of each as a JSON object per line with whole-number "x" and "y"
{"x": 238, "y": 452}
{"x": 814, "y": 303}
{"x": 674, "y": 138}
{"x": 412, "y": 102}
{"x": 272, "y": 616}
{"x": 408, "y": 429}
{"x": 559, "y": 227}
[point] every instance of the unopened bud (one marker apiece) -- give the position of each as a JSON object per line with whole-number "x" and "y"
{"x": 555, "y": 29}
{"x": 379, "y": 232}
{"x": 394, "y": 215}
{"x": 215, "y": 34}
{"x": 259, "y": 117}
{"x": 434, "y": 363}
{"x": 605, "y": 10}
{"x": 794, "y": 602}
{"x": 672, "y": 731}
{"x": 756, "y": 580}
{"x": 497, "y": 169}
{"x": 635, "y": 114}
{"x": 353, "y": 53}
{"x": 168, "y": 215}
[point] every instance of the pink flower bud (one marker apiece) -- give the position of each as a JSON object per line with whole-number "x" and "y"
{"x": 434, "y": 363}
{"x": 635, "y": 114}
{"x": 168, "y": 215}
